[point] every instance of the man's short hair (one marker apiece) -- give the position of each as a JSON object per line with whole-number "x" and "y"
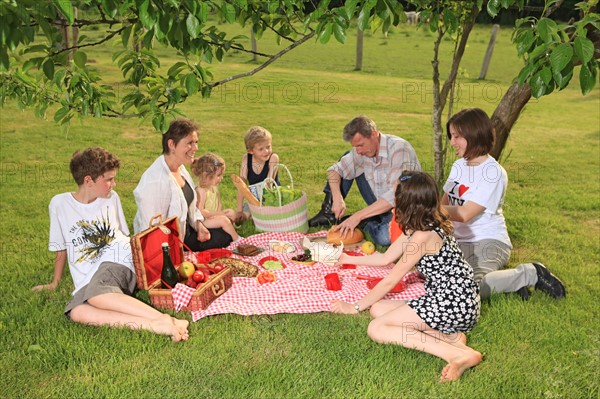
{"x": 359, "y": 125}
{"x": 93, "y": 162}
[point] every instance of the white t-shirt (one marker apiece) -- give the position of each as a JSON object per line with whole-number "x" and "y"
{"x": 485, "y": 185}
{"x": 91, "y": 234}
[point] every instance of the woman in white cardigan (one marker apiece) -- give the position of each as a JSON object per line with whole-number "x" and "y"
{"x": 166, "y": 188}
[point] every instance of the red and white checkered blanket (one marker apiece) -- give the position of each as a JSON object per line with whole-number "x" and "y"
{"x": 298, "y": 288}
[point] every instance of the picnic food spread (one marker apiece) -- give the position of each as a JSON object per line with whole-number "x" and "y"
{"x": 333, "y": 237}
{"x": 282, "y": 247}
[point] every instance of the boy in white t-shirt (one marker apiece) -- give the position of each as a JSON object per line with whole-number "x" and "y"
{"x": 88, "y": 230}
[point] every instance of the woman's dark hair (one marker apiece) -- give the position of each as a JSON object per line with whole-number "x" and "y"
{"x": 475, "y": 126}
{"x": 418, "y": 204}
{"x": 178, "y": 130}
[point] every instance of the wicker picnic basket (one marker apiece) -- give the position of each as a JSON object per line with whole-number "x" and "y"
{"x": 147, "y": 259}
{"x": 289, "y": 217}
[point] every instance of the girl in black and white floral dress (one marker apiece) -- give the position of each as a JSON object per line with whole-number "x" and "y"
{"x": 436, "y": 322}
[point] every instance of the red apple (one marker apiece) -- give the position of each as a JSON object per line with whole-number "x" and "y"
{"x": 198, "y": 276}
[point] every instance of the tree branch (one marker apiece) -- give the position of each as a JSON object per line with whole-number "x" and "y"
{"x": 266, "y": 63}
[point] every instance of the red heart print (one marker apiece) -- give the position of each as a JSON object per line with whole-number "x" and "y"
{"x": 462, "y": 189}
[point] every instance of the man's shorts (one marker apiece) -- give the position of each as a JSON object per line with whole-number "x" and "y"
{"x": 109, "y": 278}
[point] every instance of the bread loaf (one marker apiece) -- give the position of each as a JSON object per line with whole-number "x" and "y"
{"x": 333, "y": 237}
{"x": 244, "y": 190}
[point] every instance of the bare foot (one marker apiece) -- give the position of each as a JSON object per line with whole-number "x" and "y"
{"x": 462, "y": 338}
{"x": 453, "y": 370}
{"x": 164, "y": 325}
{"x": 182, "y": 327}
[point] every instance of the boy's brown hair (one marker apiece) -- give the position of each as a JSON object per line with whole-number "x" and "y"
{"x": 207, "y": 166}
{"x": 255, "y": 135}
{"x": 418, "y": 204}
{"x": 93, "y": 162}
{"x": 474, "y": 125}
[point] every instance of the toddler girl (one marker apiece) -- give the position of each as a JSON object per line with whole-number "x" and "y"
{"x": 209, "y": 169}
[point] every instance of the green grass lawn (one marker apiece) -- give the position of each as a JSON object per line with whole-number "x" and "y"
{"x": 540, "y": 348}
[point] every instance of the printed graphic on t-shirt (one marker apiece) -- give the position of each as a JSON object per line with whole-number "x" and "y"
{"x": 456, "y": 192}
{"x": 93, "y": 238}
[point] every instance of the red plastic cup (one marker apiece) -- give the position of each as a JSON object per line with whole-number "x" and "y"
{"x": 332, "y": 281}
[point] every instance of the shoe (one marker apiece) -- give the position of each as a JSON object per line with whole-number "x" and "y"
{"x": 523, "y": 292}
{"x": 325, "y": 217}
{"x": 548, "y": 282}
{"x": 322, "y": 219}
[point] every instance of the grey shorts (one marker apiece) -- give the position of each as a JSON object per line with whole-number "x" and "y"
{"x": 109, "y": 278}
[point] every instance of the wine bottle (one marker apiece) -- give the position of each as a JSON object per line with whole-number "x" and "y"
{"x": 169, "y": 275}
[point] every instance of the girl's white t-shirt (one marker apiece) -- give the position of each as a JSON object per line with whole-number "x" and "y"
{"x": 484, "y": 184}
{"x": 90, "y": 233}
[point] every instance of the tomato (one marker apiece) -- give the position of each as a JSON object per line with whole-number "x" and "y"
{"x": 190, "y": 282}
{"x": 218, "y": 267}
{"x": 265, "y": 277}
{"x": 198, "y": 276}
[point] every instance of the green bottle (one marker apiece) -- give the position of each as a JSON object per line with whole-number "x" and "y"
{"x": 169, "y": 275}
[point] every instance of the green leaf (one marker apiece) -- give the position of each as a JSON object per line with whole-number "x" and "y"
{"x": 350, "y": 8}
{"x": 48, "y": 67}
{"x": 546, "y": 29}
{"x": 125, "y": 35}
{"x": 326, "y": 33}
{"x": 492, "y": 7}
{"x": 60, "y": 114}
{"x": 562, "y": 78}
{"x": 229, "y": 13}
{"x": 193, "y": 25}
{"x": 546, "y": 75}
{"x": 538, "y": 88}
{"x": 339, "y": 33}
{"x": 80, "y": 58}
{"x": 561, "y": 56}
{"x": 587, "y": 79}
{"x": 524, "y": 42}
{"x": 66, "y": 9}
{"x": 584, "y": 48}
{"x": 157, "y": 122}
{"x": 191, "y": 84}
{"x": 203, "y": 12}
{"x": 176, "y": 68}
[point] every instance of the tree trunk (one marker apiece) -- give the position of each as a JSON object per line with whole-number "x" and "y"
{"x": 359, "y": 50}
{"x": 506, "y": 114}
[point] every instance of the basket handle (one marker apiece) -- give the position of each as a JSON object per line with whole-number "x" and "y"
{"x": 155, "y": 219}
{"x": 274, "y": 183}
{"x": 218, "y": 288}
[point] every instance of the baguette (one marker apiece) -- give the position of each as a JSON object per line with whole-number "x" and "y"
{"x": 333, "y": 237}
{"x": 244, "y": 190}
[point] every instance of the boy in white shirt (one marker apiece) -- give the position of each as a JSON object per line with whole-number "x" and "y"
{"x": 88, "y": 230}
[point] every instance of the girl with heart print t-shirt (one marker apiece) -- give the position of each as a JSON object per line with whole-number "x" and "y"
{"x": 484, "y": 184}
{"x": 473, "y": 197}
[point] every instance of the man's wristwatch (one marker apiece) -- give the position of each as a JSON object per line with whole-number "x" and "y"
{"x": 357, "y": 307}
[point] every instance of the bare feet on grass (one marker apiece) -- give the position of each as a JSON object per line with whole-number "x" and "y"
{"x": 164, "y": 325}
{"x": 182, "y": 326}
{"x": 453, "y": 370}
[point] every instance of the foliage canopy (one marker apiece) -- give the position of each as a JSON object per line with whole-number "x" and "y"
{"x": 40, "y": 73}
